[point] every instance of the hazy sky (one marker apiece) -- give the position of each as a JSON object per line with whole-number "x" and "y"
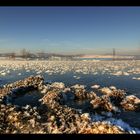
{"x": 86, "y": 30}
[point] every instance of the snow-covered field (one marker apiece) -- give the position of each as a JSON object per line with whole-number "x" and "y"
{"x": 117, "y": 68}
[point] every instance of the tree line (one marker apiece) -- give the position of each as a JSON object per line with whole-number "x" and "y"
{"x": 25, "y": 54}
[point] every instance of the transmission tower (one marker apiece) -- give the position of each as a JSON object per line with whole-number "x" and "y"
{"x": 114, "y": 53}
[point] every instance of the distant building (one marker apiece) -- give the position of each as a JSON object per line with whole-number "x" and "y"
{"x": 136, "y": 57}
{"x": 60, "y": 58}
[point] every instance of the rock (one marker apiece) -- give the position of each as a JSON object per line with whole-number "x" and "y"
{"x": 85, "y": 117}
{"x": 44, "y": 91}
{"x": 52, "y": 115}
{"x": 32, "y": 121}
{"x": 26, "y": 107}
{"x": 59, "y": 85}
{"x": 78, "y": 86}
{"x": 67, "y": 90}
{"x": 131, "y": 103}
{"x": 106, "y": 91}
{"x": 112, "y": 87}
{"x": 117, "y": 96}
{"x": 101, "y": 128}
{"x": 102, "y": 104}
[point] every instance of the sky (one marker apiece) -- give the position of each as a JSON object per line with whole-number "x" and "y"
{"x": 70, "y": 30}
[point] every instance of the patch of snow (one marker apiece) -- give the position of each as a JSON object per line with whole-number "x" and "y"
{"x": 95, "y": 86}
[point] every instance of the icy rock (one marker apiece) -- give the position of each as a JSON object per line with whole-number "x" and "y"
{"x": 44, "y": 90}
{"x": 125, "y": 73}
{"x": 106, "y": 90}
{"x": 3, "y": 73}
{"x": 67, "y": 90}
{"x": 102, "y": 103}
{"x": 59, "y": 85}
{"x": 136, "y": 78}
{"x": 112, "y": 87}
{"x": 27, "y": 107}
{"x": 95, "y": 86}
{"x": 77, "y": 86}
{"x": 85, "y": 116}
{"x": 131, "y": 103}
{"x": 118, "y": 73}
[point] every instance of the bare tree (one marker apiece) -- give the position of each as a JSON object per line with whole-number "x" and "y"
{"x": 28, "y": 54}
{"x": 11, "y": 55}
{"x": 41, "y": 54}
{"x": 25, "y": 54}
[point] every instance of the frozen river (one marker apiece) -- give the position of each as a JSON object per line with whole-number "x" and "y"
{"x": 123, "y": 75}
